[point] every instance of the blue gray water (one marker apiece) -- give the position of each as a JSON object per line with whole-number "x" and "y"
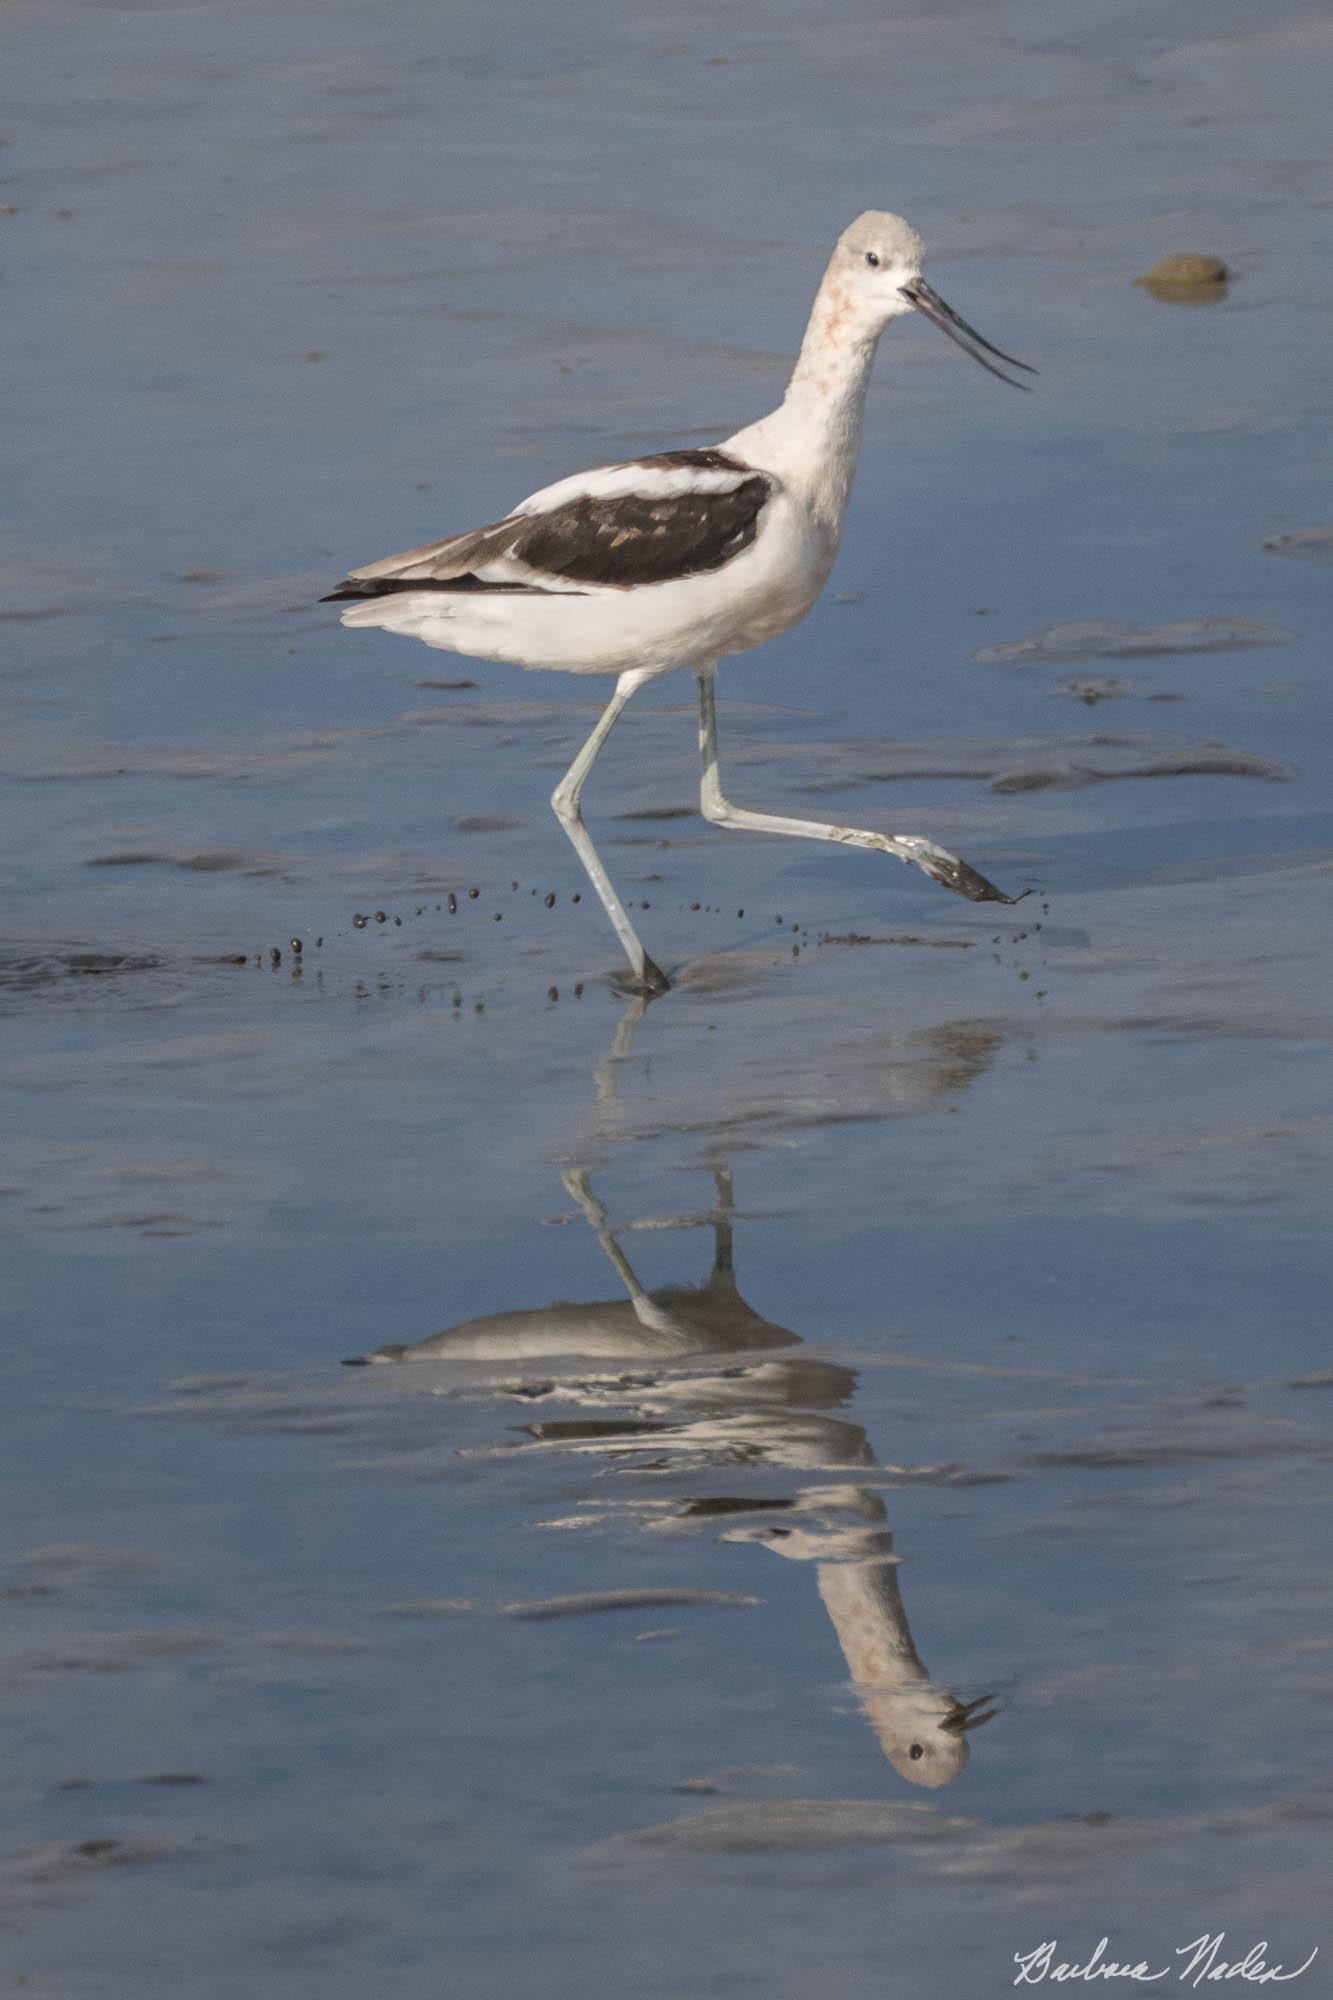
{"x": 1011, "y": 1229}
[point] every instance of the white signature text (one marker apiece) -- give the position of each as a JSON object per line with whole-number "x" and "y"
{"x": 1206, "y": 1961}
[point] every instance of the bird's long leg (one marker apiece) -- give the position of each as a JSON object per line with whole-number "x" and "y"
{"x": 937, "y": 862}
{"x": 648, "y": 977}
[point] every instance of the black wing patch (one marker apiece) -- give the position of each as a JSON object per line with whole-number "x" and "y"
{"x": 611, "y": 542}
{"x": 637, "y": 540}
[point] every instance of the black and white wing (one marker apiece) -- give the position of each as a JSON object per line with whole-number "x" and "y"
{"x": 649, "y": 520}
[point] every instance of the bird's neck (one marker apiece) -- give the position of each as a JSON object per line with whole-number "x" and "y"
{"x": 817, "y": 430}
{"x": 864, "y": 1602}
{"x": 904, "y": 1707}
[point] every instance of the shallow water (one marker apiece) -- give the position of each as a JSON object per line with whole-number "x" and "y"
{"x": 975, "y": 1263}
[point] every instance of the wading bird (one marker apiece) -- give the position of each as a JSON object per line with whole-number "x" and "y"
{"x": 685, "y": 557}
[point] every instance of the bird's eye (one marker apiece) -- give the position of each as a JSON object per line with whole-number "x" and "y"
{"x": 917, "y": 1750}
{"x": 872, "y": 258}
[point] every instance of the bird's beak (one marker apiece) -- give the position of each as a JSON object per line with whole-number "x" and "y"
{"x": 967, "y": 1715}
{"x": 928, "y": 301}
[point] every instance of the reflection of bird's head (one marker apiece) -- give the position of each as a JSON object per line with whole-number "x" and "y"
{"x": 922, "y": 1729}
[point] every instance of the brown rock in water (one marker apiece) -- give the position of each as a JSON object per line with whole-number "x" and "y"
{"x": 1186, "y": 279}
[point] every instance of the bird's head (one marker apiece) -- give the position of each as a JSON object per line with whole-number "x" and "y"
{"x": 923, "y": 1729}
{"x": 878, "y": 266}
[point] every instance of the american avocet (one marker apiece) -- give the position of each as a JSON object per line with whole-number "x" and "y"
{"x": 684, "y": 557}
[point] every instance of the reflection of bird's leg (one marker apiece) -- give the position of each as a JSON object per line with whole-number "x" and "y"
{"x": 578, "y": 1186}
{"x": 577, "y": 1183}
{"x": 604, "y": 1076}
{"x": 723, "y": 1257}
{"x": 937, "y": 862}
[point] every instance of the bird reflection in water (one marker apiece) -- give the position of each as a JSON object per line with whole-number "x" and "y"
{"x": 922, "y": 1727}
{"x": 715, "y": 1384}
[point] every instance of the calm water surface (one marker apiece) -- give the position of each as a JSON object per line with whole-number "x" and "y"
{"x": 862, "y": 1504}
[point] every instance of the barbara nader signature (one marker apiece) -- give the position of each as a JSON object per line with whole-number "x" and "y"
{"x": 1206, "y": 1959}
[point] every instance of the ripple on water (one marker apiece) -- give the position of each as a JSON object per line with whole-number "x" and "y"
{"x": 1121, "y": 639}
{"x": 577, "y": 1604}
{"x": 39, "y": 975}
{"x": 1031, "y": 763}
{"x": 1307, "y": 544}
